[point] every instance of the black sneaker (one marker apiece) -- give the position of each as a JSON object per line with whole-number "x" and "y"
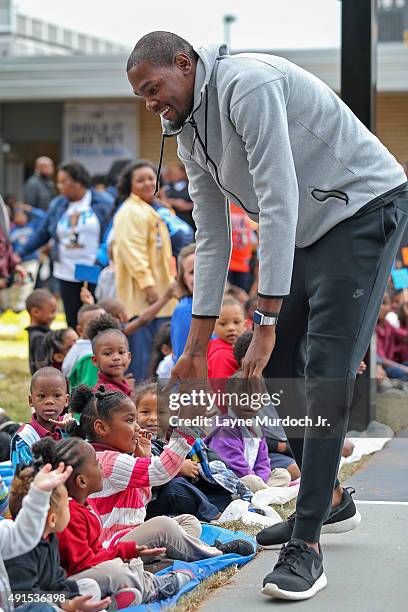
{"x": 344, "y": 517}
{"x": 237, "y": 547}
{"x": 298, "y": 573}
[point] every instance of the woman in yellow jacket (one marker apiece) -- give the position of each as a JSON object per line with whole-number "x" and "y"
{"x": 143, "y": 259}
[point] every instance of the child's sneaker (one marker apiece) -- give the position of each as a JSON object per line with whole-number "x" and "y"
{"x": 171, "y": 583}
{"x": 237, "y": 547}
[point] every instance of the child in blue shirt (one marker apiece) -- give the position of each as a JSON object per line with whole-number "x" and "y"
{"x": 25, "y": 223}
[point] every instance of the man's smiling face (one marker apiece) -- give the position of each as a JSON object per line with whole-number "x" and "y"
{"x": 167, "y": 90}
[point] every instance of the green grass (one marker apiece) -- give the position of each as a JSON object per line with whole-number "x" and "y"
{"x": 14, "y": 387}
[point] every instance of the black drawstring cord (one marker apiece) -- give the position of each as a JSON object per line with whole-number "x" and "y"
{"x": 206, "y": 124}
{"x": 156, "y": 189}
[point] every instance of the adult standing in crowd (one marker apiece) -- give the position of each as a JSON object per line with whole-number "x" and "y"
{"x": 9, "y": 264}
{"x": 76, "y": 221}
{"x": 142, "y": 254}
{"x": 262, "y": 131}
{"x": 175, "y": 190}
{"x": 39, "y": 189}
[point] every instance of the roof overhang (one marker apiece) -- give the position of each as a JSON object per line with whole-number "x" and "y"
{"x": 92, "y": 76}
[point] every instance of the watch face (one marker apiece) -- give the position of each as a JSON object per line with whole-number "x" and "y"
{"x": 257, "y": 317}
{"x": 261, "y": 319}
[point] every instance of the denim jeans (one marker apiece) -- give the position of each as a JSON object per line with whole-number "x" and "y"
{"x": 140, "y": 345}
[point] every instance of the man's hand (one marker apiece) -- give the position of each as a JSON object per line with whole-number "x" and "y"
{"x": 151, "y": 295}
{"x": 190, "y": 367}
{"x": 259, "y": 351}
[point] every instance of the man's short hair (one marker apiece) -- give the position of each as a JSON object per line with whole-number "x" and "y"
{"x": 159, "y": 49}
{"x": 38, "y": 298}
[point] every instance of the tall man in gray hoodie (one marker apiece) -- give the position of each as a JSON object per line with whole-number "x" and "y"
{"x": 331, "y": 203}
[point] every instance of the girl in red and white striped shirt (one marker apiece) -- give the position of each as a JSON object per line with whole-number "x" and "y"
{"x": 108, "y": 421}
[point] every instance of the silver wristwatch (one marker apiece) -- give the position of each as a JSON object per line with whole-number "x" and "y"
{"x": 260, "y": 318}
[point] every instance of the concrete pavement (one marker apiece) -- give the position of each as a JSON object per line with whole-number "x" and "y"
{"x": 366, "y": 568}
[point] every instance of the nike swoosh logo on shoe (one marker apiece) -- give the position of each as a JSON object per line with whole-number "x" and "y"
{"x": 315, "y": 571}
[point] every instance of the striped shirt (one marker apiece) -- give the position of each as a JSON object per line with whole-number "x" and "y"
{"x": 127, "y": 483}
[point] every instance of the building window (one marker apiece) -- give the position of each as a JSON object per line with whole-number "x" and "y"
{"x": 37, "y": 26}
{"x": 82, "y": 42}
{"x": 67, "y": 37}
{"x": 387, "y": 5}
{"x": 52, "y": 33}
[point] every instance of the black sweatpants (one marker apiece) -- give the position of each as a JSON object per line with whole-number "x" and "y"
{"x": 323, "y": 332}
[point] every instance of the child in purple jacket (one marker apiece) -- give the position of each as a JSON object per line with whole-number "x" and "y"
{"x": 239, "y": 440}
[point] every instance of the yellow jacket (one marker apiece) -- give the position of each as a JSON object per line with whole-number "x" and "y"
{"x": 142, "y": 255}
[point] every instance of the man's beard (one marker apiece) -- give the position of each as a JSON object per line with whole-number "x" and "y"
{"x": 182, "y": 117}
{"x": 178, "y": 123}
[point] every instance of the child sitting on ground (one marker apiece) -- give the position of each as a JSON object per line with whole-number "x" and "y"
{"x": 42, "y": 308}
{"x": 73, "y": 367}
{"x": 181, "y": 494}
{"x": 22, "y": 535}
{"x": 242, "y": 447}
{"x": 38, "y": 571}
{"x": 280, "y": 455}
{"x": 204, "y": 486}
{"x": 162, "y": 354}
{"x": 49, "y": 399}
{"x": 57, "y": 343}
{"x": 8, "y": 428}
{"x": 118, "y": 571}
{"x": 108, "y": 421}
{"x": 110, "y": 354}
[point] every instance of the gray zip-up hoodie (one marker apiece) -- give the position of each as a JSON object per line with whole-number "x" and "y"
{"x": 279, "y": 142}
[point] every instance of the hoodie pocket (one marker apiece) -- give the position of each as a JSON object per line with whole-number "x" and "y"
{"x": 323, "y": 195}
{"x": 389, "y": 220}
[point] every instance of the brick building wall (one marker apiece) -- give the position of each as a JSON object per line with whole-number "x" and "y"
{"x": 392, "y": 124}
{"x": 150, "y": 138}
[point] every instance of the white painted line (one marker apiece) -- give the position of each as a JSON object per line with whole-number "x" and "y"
{"x": 381, "y": 503}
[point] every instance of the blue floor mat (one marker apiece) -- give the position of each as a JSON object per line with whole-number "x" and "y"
{"x": 6, "y": 472}
{"x": 201, "y": 569}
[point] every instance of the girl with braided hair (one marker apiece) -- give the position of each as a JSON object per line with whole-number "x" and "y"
{"x": 56, "y": 345}
{"x": 38, "y": 571}
{"x": 117, "y": 570}
{"x": 111, "y": 354}
{"x": 108, "y": 420}
{"x": 35, "y": 493}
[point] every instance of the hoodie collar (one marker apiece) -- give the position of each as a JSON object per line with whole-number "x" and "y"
{"x": 207, "y": 56}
